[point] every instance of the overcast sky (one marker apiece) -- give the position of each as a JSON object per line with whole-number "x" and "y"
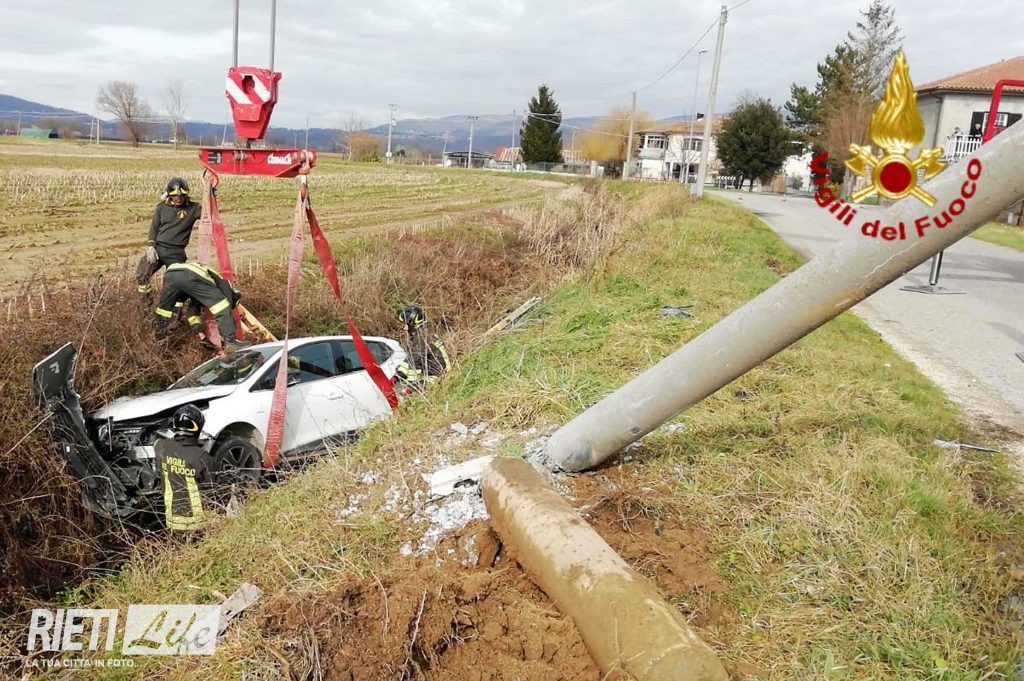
{"x": 443, "y": 57}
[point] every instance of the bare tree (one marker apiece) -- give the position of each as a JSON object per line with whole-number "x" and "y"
{"x": 362, "y": 146}
{"x": 176, "y": 104}
{"x": 351, "y": 126}
{"x": 121, "y": 99}
{"x": 847, "y": 123}
{"x": 606, "y": 141}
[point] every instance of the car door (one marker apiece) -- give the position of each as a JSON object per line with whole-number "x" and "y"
{"x": 362, "y": 401}
{"x": 311, "y": 411}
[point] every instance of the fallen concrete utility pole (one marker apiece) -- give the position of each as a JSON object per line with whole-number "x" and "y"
{"x": 630, "y": 631}
{"x": 803, "y": 301}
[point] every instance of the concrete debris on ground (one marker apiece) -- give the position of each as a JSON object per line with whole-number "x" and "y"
{"x": 443, "y": 482}
{"x": 446, "y": 515}
{"x": 672, "y": 311}
{"x": 244, "y": 596}
{"x": 452, "y": 496}
{"x": 946, "y": 444}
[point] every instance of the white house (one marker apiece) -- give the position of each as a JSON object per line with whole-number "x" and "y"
{"x": 672, "y": 152}
{"x": 955, "y": 109}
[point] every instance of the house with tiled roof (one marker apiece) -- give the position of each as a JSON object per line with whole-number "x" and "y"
{"x": 671, "y": 151}
{"x": 955, "y": 109}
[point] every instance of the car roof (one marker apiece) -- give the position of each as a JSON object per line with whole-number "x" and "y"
{"x": 296, "y": 342}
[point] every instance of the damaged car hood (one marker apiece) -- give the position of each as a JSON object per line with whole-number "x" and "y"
{"x": 127, "y": 408}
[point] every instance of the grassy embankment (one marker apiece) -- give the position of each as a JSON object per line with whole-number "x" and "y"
{"x": 851, "y": 546}
{"x": 1010, "y": 236}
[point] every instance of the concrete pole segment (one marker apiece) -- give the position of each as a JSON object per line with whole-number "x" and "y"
{"x": 820, "y": 290}
{"x": 631, "y": 632}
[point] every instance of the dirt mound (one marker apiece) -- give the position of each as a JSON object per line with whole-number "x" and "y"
{"x": 476, "y": 616}
{"x": 433, "y": 620}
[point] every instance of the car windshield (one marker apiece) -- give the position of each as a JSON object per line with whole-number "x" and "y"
{"x": 232, "y": 371}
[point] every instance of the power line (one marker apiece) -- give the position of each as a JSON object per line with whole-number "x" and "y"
{"x": 577, "y": 127}
{"x": 738, "y": 5}
{"x": 685, "y": 55}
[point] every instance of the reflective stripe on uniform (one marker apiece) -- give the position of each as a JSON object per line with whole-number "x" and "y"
{"x": 193, "y": 267}
{"x": 217, "y": 308}
{"x": 195, "y": 502}
{"x": 444, "y": 353}
{"x": 145, "y": 288}
{"x": 160, "y": 312}
{"x": 195, "y": 321}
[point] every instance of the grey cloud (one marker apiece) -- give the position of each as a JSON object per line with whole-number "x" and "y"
{"x": 467, "y": 56}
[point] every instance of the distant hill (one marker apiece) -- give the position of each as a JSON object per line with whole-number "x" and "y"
{"x": 10, "y": 106}
{"x": 489, "y": 132}
{"x": 427, "y": 134}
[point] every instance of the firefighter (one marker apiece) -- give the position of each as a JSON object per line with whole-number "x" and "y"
{"x": 169, "y": 232}
{"x": 202, "y": 287}
{"x": 426, "y": 351}
{"x": 183, "y": 466}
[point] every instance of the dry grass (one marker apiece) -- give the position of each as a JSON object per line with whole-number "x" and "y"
{"x": 464, "y": 275}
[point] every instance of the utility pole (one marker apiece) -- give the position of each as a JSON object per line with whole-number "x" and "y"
{"x": 19, "y": 124}
{"x": 444, "y": 147}
{"x": 629, "y": 142}
{"x": 391, "y": 124}
{"x": 689, "y": 142}
{"x": 709, "y": 112}
{"x": 469, "y": 159}
{"x": 306, "y": 144}
{"x": 513, "y": 129}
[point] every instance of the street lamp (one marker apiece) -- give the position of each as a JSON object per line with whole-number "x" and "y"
{"x": 469, "y": 160}
{"x": 693, "y": 119}
{"x": 391, "y": 124}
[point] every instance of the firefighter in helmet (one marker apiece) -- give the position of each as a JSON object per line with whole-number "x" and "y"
{"x": 183, "y": 467}
{"x": 202, "y": 287}
{"x": 169, "y": 232}
{"x": 427, "y": 354}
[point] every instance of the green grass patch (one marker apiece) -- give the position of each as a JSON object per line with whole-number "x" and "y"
{"x": 1005, "y": 235}
{"x": 852, "y": 547}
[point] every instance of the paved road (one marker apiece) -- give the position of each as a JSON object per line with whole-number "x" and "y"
{"x": 965, "y": 343}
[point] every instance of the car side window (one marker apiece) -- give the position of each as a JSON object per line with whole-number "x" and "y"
{"x": 306, "y": 364}
{"x": 347, "y": 359}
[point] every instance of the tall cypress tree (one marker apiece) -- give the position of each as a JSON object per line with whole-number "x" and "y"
{"x": 542, "y": 143}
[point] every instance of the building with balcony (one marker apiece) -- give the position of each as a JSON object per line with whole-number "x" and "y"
{"x": 672, "y": 152}
{"x": 955, "y": 109}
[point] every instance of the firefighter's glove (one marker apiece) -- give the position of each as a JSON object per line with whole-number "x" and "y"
{"x": 151, "y": 255}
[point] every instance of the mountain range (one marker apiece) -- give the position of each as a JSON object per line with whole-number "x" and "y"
{"x": 430, "y": 135}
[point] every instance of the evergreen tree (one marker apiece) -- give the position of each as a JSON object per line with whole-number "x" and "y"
{"x": 541, "y": 141}
{"x": 875, "y": 43}
{"x": 754, "y": 141}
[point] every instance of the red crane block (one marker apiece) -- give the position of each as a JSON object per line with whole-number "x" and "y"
{"x": 252, "y": 92}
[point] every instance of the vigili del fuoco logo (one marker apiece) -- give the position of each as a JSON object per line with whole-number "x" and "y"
{"x": 896, "y": 128}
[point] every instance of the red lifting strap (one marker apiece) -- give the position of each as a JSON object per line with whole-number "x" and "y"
{"x": 323, "y": 252}
{"x": 275, "y": 426}
{"x": 211, "y": 226}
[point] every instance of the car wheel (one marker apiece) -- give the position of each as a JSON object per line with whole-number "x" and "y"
{"x": 236, "y": 461}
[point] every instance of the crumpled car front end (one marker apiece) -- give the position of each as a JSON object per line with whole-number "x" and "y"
{"x": 109, "y": 490}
